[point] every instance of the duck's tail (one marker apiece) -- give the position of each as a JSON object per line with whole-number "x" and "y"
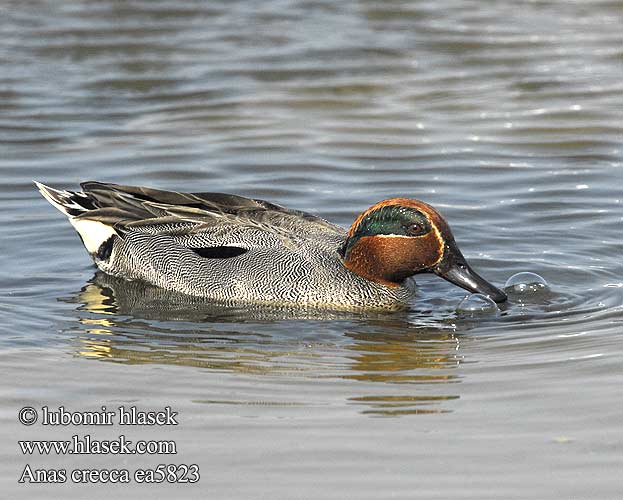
{"x": 71, "y": 203}
{"x": 95, "y": 234}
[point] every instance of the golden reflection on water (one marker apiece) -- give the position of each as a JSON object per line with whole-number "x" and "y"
{"x": 392, "y": 406}
{"x": 127, "y": 323}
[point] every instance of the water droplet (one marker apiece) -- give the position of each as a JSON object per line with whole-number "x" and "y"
{"x": 476, "y": 304}
{"x": 526, "y": 284}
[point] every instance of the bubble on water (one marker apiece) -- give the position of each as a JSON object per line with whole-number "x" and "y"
{"x": 476, "y": 304}
{"x": 526, "y": 284}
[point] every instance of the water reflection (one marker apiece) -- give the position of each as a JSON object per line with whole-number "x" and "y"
{"x": 394, "y": 361}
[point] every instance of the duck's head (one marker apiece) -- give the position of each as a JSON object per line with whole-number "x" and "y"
{"x": 400, "y": 237}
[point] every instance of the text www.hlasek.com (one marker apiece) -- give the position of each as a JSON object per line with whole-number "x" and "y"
{"x": 87, "y": 446}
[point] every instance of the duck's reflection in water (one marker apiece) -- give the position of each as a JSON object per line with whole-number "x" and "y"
{"x": 403, "y": 367}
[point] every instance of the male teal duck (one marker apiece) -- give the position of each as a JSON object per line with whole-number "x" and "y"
{"x": 233, "y": 249}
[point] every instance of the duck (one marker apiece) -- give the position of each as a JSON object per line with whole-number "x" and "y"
{"x": 234, "y": 250}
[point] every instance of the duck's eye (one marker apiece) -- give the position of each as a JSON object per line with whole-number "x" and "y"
{"x": 415, "y": 229}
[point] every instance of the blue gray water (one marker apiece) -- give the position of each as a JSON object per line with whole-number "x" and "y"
{"x": 507, "y": 116}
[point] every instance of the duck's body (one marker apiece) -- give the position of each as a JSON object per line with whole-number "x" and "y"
{"x": 234, "y": 249}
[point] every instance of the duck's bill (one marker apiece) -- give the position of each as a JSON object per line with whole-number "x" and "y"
{"x": 455, "y": 269}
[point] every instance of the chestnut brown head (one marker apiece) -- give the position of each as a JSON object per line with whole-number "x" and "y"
{"x": 400, "y": 237}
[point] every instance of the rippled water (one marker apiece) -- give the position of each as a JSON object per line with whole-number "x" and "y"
{"x": 504, "y": 115}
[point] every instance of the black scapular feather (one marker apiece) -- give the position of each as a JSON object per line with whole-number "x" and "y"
{"x": 219, "y": 252}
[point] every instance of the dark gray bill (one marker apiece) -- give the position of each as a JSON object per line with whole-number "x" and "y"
{"x": 455, "y": 269}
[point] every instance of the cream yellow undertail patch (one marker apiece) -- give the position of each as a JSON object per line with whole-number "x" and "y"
{"x": 93, "y": 233}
